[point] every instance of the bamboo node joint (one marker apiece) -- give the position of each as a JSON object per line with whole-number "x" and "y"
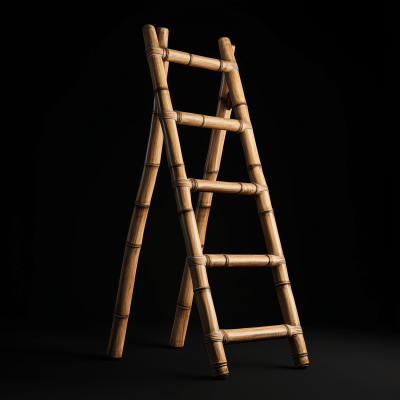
{"x": 299, "y": 355}
{"x": 135, "y": 246}
{"x": 198, "y": 289}
{"x": 293, "y": 331}
{"x": 196, "y": 260}
{"x": 184, "y": 307}
{"x": 282, "y": 283}
{"x": 213, "y": 337}
{"x": 121, "y": 316}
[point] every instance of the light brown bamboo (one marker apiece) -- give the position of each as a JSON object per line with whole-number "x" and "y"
{"x": 187, "y": 218}
{"x": 136, "y": 229}
{"x": 205, "y": 121}
{"x": 202, "y": 185}
{"x": 203, "y": 208}
{"x": 260, "y": 333}
{"x": 242, "y": 260}
{"x": 189, "y": 59}
{"x": 284, "y": 291}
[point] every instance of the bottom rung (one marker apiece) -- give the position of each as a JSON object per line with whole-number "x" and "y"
{"x": 261, "y": 333}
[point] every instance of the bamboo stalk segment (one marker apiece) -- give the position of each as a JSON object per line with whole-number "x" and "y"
{"x": 191, "y": 60}
{"x": 242, "y": 260}
{"x": 202, "y": 185}
{"x": 260, "y": 333}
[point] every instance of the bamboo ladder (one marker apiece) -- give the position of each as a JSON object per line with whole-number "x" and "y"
{"x": 194, "y": 282}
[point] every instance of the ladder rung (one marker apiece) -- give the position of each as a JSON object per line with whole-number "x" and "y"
{"x": 202, "y": 185}
{"x": 192, "y": 60}
{"x": 243, "y": 260}
{"x": 261, "y": 333}
{"x": 205, "y": 121}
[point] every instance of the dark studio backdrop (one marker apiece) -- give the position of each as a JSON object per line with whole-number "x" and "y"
{"x": 321, "y": 82}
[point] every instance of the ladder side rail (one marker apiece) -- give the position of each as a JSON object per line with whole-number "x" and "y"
{"x": 203, "y": 207}
{"x": 187, "y": 218}
{"x": 137, "y": 225}
{"x": 280, "y": 274}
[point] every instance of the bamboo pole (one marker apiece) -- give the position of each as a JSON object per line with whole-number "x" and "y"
{"x": 203, "y": 208}
{"x": 281, "y": 278}
{"x": 138, "y": 222}
{"x": 187, "y": 218}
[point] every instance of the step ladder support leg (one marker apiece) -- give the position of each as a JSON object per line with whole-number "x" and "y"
{"x": 285, "y": 295}
{"x": 136, "y": 229}
{"x": 211, "y": 169}
{"x": 184, "y": 206}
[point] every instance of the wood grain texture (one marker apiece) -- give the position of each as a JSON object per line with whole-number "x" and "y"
{"x": 268, "y": 223}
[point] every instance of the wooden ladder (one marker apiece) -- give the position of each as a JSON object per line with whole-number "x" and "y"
{"x": 164, "y": 127}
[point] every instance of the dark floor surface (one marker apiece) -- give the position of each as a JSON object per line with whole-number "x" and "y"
{"x": 70, "y": 363}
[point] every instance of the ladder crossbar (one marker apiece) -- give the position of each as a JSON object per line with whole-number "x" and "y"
{"x": 205, "y": 121}
{"x": 260, "y": 333}
{"x": 202, "y": 185}
{"x": 243, "y": 260}
{"x": 192, "y": 60}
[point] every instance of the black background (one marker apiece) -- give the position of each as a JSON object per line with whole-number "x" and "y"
{"x": 321, "y": 81}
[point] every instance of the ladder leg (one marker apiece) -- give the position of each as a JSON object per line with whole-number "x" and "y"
{"x": 136, "y": 229}
{"x": 187, "y": 218}
{"x": 281, "y": 278}
{"x": 211, "y": 170}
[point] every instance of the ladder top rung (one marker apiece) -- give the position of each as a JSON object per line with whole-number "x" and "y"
{"x": 192, "y": 60}
{"x": 202, "y": 185}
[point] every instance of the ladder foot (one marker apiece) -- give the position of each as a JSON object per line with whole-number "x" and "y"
{"x": 176, "y": 343}
{"x": 117, "y": 338}
{"x": 179, "y": 328}
{"x": 301, "y": 362}
{"x": 220, "y": 371}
